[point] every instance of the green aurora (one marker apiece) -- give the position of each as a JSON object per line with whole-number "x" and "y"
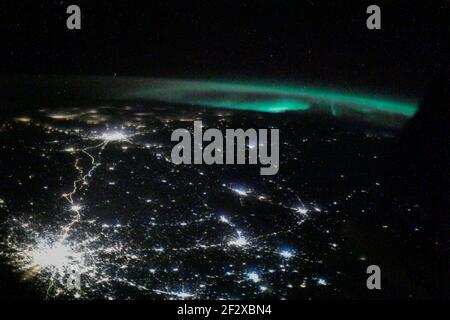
{"x": 257, "y": 97}
{"x": 268, "y": 98}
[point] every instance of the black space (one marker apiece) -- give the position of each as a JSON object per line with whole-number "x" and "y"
{"x": 309, "y": 41}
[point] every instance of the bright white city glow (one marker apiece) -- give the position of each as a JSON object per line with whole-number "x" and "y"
{"x": 253, "y": 276}
{"x": 286, "y": 253}
{"x": 55, "y": 256}
{"x": 75, "y": 207}
{"x": 301, "y": 210}
{"x": 114, "y": 136}
{"x": 241, "y": 192}
{"x": 224, "y": 219}
{"x": 239, "y": 241}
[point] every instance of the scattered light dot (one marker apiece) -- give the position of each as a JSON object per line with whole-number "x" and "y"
{"x": 241, "y": 192}
{"x": 239, "y": 241}
{"x": 253, "y": 276}
{"x": 287, "y": 253}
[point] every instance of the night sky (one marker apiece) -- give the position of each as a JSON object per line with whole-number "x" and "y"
{"x": 313, "y": 41}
